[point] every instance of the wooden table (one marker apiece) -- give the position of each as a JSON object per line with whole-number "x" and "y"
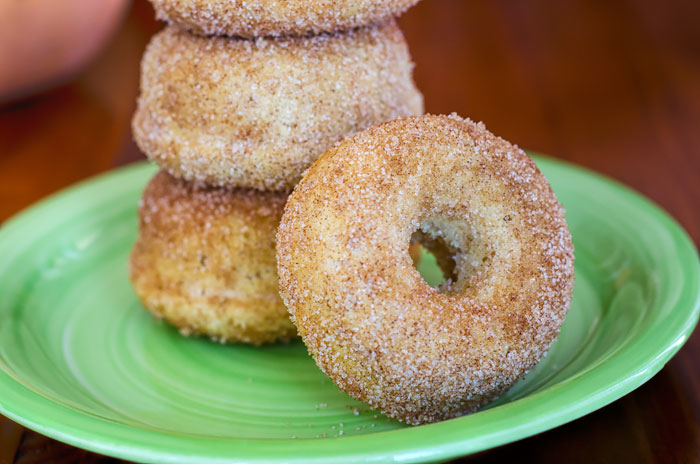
{"x": 613, "y": 86}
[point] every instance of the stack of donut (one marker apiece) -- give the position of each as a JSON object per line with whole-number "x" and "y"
{"x": 238, "y": 99}
{"x": 241, "y": 101}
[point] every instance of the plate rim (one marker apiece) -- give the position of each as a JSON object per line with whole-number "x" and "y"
{"x": 444, "y": 440}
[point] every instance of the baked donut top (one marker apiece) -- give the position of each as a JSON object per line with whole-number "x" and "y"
{"x": 179, "y": 206}
{"x": 261, "y": 18}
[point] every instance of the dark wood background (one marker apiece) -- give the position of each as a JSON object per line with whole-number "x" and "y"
{"x": 613, "y": 86}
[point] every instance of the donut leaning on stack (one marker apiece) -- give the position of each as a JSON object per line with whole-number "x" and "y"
{"x": 235, "y": 122}
{"x": 418, "y": 353}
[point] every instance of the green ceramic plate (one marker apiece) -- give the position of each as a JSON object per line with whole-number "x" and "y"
{"x": 80, "y": 360}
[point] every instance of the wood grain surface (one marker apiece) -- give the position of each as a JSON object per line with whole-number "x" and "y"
{"x": 613, "y": 86}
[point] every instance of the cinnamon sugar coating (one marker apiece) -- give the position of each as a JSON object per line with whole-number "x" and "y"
{"x": 260, "y": 18}
{"x": 205, "y": 260}
{"x": 372, "y": 324}
{"x": 256, "y": 114}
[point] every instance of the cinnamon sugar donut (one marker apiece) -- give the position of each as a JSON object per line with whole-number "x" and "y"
{"x": 423, "y": 354}
{"x": 260, "y": 18}
{"x": 257, "y": 113}
{"x": 205, "y": 260}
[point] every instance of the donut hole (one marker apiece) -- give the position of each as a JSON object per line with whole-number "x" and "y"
{"x": 448, "y": 255}
{"x": 433, "y": 260}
